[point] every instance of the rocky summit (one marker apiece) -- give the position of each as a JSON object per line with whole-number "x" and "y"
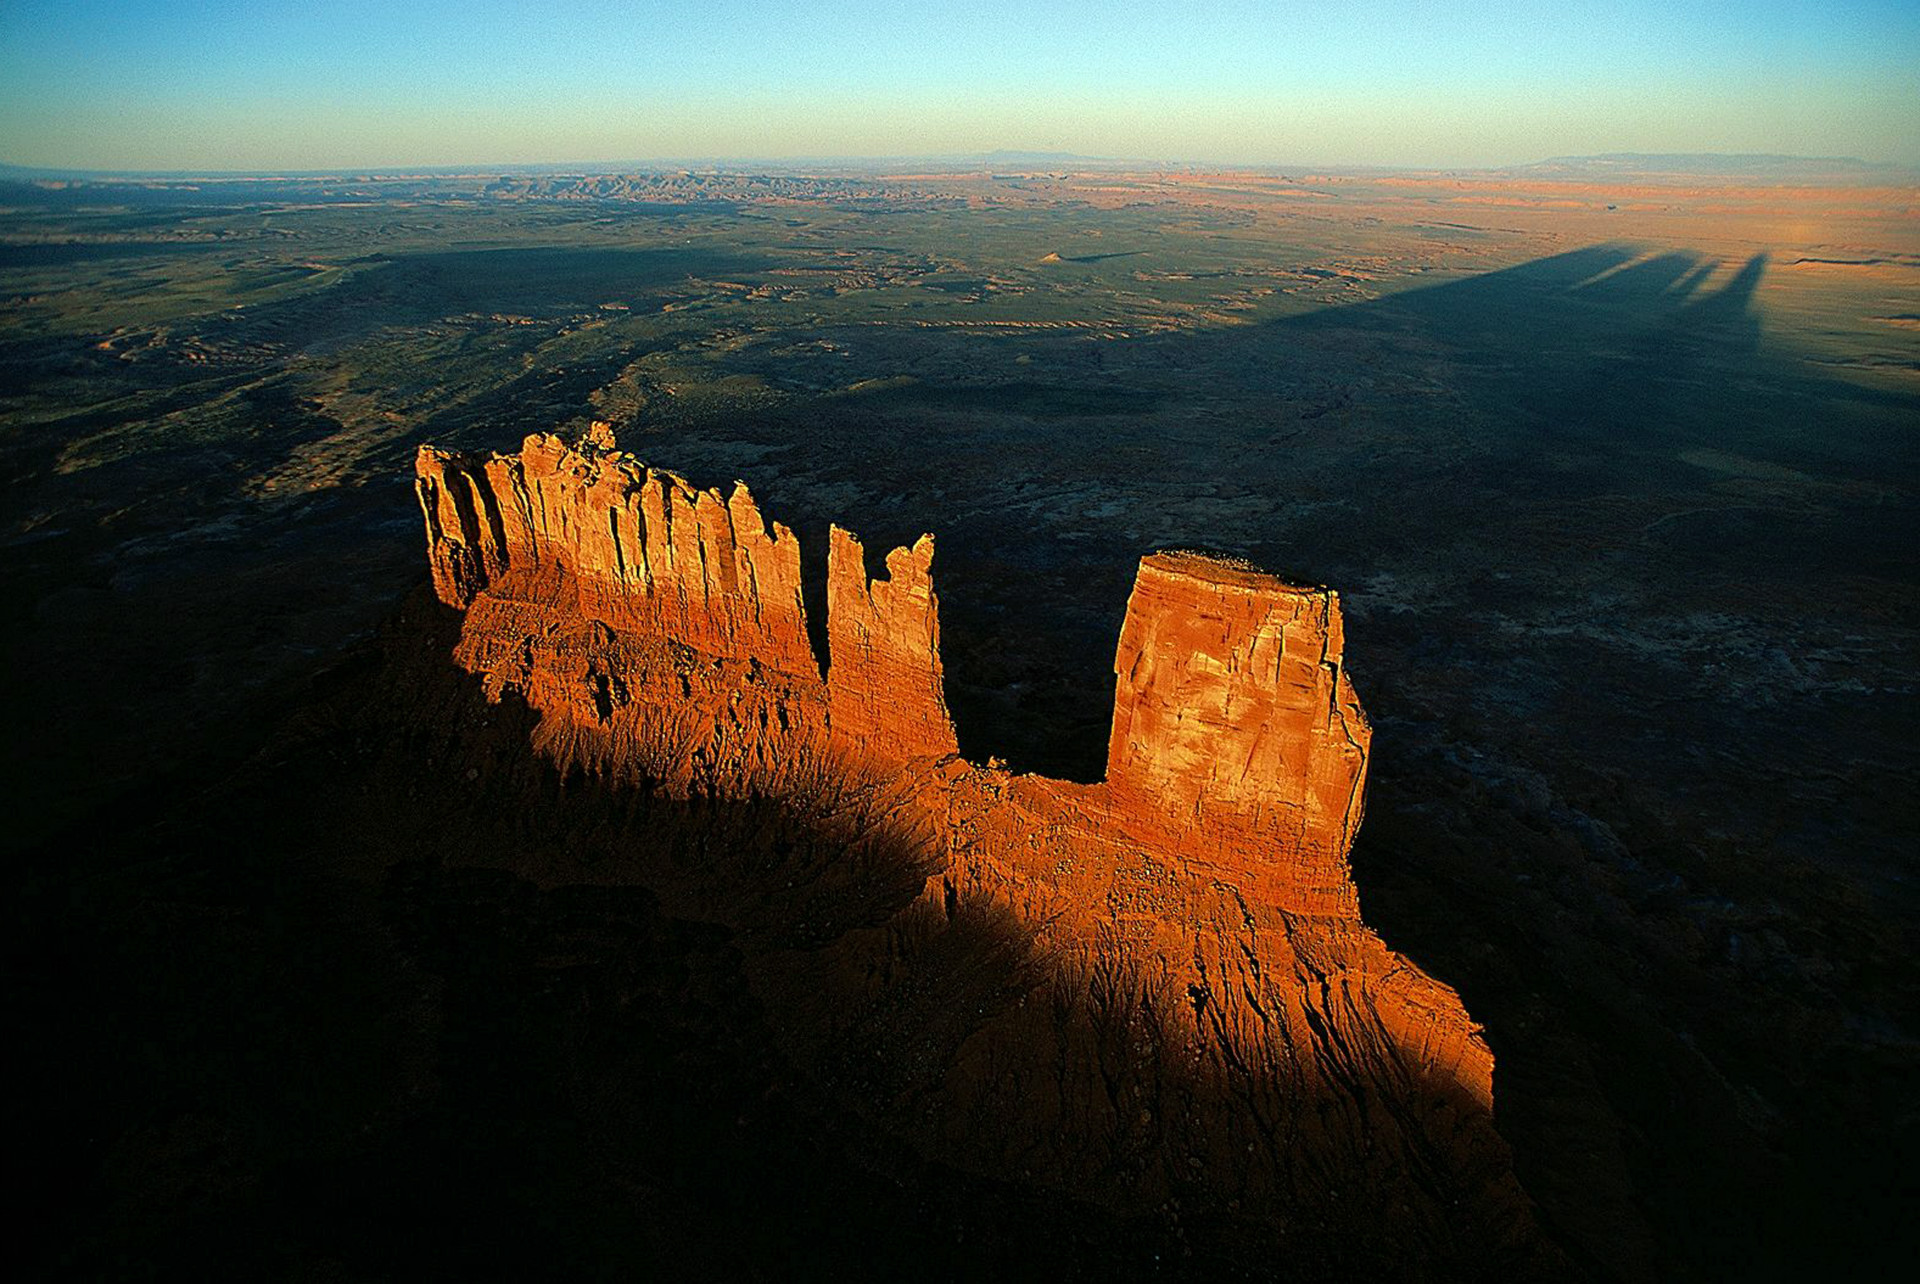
{"x": 1196, "y": 1017}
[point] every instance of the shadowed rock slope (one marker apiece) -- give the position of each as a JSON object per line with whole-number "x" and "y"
{"x": 1144, "y": 994}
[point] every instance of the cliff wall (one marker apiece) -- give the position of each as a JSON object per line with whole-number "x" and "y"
{"x": 638, "y": 549}
{"x": 1234, "y": 722}
{"x": 1233, "y": 719}
{"x": 1188, "y": 921}
{"x": 885, "y": 693}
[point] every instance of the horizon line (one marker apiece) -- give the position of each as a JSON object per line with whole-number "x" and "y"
{"x": 1047, "y": 159}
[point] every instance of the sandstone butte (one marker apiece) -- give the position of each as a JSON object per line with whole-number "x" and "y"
{"x": 1197, "y": 901}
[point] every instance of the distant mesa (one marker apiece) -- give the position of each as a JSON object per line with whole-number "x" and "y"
{"x": 1733, "y": 165}
{"x": 660, "y": 633}
{"x": 1057, "y": 257}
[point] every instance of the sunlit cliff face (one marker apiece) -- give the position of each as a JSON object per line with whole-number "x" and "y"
{"x": 659, "y": 633}
{"x": 1233, "y": 716}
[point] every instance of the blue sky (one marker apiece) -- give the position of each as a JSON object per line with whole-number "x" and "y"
{"x": 200, "y": 84}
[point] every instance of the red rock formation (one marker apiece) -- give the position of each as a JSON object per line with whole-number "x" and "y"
{"x": 1234, "y": 722}
{"x": 1202, "y": 889}
{"x": 883, "y": 641}
{"x": 640, "y": 549}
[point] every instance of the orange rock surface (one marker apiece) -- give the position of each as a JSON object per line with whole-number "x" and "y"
{"x": 1197, "y": 901}
{"x": 1234, "y": 723}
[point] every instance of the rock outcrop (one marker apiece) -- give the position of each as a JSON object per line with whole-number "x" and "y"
{"x": 1234, "y": 722}
{"x": 638, "y": 549}
{"x": 1199, "y": 1004}
{"x": 885, "y": 699}
{"x": 1235, "y": 732}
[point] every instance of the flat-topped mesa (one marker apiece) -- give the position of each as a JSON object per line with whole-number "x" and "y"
{"x": 638, "y": 549}
{"x": 1235, "y": 724}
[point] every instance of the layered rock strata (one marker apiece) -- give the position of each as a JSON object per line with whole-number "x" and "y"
{"x": 1235, "y": 727}
{"x": 1233, "y": 718}
{"x": 1198, "y": 1000}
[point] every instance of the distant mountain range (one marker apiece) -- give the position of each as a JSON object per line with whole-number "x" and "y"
{"x": 1603, "y": 165}
{"x": 1715, "y": 164}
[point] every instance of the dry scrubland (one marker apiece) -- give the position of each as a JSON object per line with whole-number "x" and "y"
{"x": 1615, "y": 472}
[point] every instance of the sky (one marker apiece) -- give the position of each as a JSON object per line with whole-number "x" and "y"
{"x": 208, "y": 85}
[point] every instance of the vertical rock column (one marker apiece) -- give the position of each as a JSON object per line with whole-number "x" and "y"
{"x": 1235, "y": 726}
{"x": 465, "y": 541}
{"x": 884, "y": 686}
